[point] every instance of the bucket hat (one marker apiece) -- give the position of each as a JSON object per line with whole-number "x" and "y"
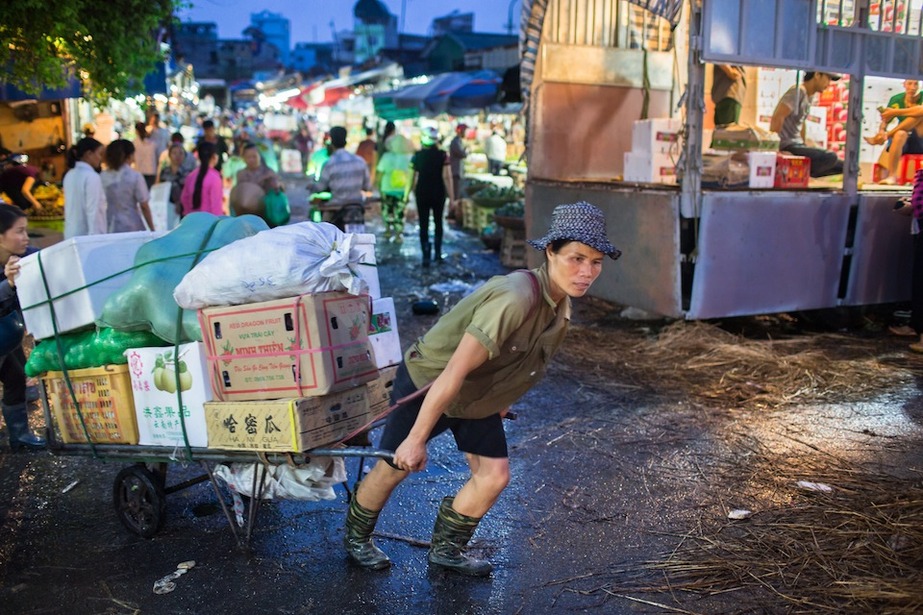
{"x": 429, "y": 135}
{"x": 578, "y": 222}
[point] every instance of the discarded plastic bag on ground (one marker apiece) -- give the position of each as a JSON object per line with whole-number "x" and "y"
{"x": 310, "y": 483}
{"x": 287, "y": 261}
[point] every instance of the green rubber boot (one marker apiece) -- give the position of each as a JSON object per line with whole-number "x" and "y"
{"x": 451, "y": 534}
{"x": 360, "y": 523}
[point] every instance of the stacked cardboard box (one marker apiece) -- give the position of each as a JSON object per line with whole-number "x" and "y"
{"x": 284, "y": 375}
{"x": 302, "y": 372}
{"x": 655, "y": 146}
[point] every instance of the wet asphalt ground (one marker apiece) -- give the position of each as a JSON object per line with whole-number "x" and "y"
{"x": 606, "y": 479}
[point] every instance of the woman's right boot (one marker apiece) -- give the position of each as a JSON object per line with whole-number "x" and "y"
{"x": 360, "y": 523}
{"x": 17, "y": 424}
{"x": 426, "y": 254}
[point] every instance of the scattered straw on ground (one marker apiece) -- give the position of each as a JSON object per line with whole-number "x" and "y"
{"x": 705, "y": 362}
{"x": 855, "y": 549}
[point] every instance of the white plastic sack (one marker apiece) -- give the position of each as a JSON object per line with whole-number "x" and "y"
{"x": 285, "y": 261}
{"x": 309, "y": 483}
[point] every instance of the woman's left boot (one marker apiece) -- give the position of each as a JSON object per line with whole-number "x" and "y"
{"x": 17, "y": 424}
{"x": 451, "y": 534}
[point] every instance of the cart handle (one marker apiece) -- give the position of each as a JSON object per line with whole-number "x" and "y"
{"x": 387, "y": 456}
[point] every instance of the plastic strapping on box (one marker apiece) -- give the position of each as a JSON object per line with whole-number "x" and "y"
{"x": 60, "y": 346}
{"x": 296, "y": 351}
{"x": 50, "y": 300}
{"x": 179, "y": 328}
{"x": 291, "y": 352}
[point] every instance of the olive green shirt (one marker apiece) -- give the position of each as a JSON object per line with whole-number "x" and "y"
{"x": 518, "y": 350}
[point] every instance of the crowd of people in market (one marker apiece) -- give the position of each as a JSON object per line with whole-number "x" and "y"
{"x": 250, "y": 160}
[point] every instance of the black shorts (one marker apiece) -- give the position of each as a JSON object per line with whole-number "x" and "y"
{"x": 914, "y": 144}
{"x": 484, "y": 437}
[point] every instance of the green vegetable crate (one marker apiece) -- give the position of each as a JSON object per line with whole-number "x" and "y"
{"x": 475, "y": 217}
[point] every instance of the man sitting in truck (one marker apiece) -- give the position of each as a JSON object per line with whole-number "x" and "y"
{"x": 788, "y": 121}
{"x": 907, "y": 136}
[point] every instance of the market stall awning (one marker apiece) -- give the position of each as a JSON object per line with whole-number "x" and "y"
{"x": 456, "y": 93}
{"x": 329, "y": 93}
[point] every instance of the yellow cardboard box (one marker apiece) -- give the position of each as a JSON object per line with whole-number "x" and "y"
{"x": 288, "y": 348}
{"x": 287, "y": 425}
{"x": 106, "y": 405}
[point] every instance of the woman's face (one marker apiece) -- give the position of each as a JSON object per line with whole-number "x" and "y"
{"x": 573, "y": 269}
{"x": 94, "y": 158}
{"x": 252, "y": 158}
{"x": 177, "y": 155}
{"x": 16, "y": 239}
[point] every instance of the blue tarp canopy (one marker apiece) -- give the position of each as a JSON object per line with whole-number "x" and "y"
{"x": 10, "y": 92}
{"x": 456, "y": 93}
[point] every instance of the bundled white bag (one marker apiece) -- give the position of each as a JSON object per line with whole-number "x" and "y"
{"x": 309, "y": 483}
{"x": 286, "y": 261}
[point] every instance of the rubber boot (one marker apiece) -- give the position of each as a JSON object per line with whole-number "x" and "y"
{"x": 360, "y": 523}
{"x": 17, "y": 424}
{"x": 451, "y": 534}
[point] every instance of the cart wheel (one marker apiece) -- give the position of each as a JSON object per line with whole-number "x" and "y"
{"x": 139, "y": 499}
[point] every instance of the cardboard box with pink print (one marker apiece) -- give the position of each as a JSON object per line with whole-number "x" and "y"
{"x": 301, "y": 346}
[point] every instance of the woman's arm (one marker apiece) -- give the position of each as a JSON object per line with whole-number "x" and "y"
{"x": 470, "y": 354}
{"x": 412, "y": 186}
{"x": 27, "y": 193}
{"x": 447, "y": 180}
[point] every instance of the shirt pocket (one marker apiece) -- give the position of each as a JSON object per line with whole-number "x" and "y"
{"x": 518, "y": 342}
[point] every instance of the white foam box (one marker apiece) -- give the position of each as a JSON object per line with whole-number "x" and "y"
{"x": 762, "y": 169}
{"x": 296, "y": 347}
{"x": 649, "y": 168}
{"x": 287, "y": 425}
{"x": 656, "y": 136}
{"x": 368, "y": 264}
{"x": 85, "y": 263}
{"x": 383, "y": 335}
{"x": 157, "y": 403}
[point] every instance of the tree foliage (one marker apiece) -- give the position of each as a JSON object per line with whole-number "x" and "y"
{"x": 110, "y": 45}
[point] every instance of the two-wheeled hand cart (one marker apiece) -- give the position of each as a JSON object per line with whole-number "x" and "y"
{"x": 139, "y": 490}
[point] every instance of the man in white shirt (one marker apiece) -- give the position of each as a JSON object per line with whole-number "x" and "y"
{"x": 495, "y": 149}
